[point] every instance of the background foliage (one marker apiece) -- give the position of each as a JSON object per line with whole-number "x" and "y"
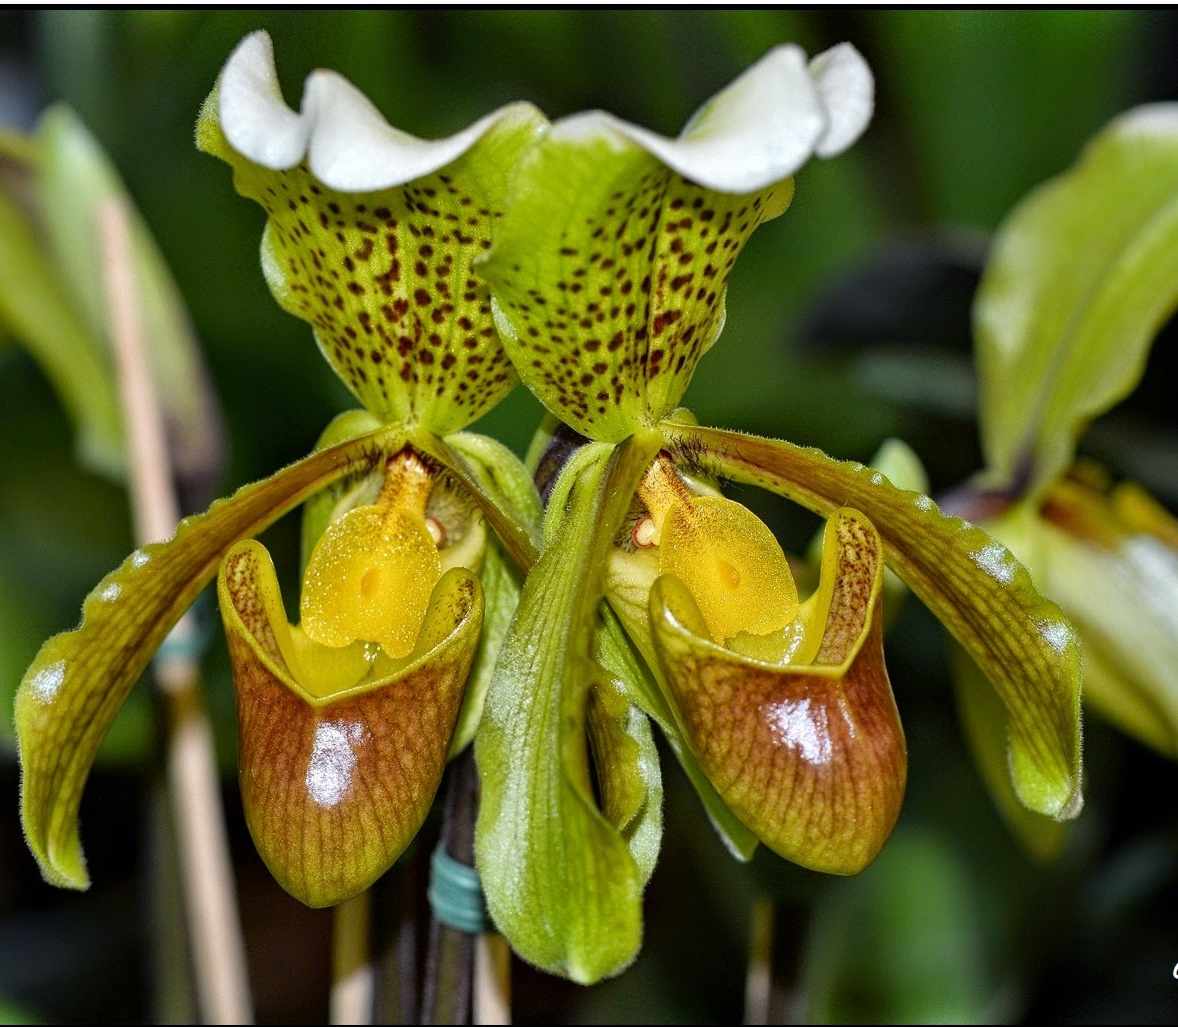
{"x": 848, "y": 322}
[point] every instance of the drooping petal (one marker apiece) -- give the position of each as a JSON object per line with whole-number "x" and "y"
{"x": 559, "y": 877}
{"x": 610, "y": 266}
{"x": 1022, "y": 641}
{"x": 335, "y": 786}
{"x": 983, "y": 720}
{"x": 78, "y": 681}
{"x": 371, "y": 233}
{"x": 810, "y": 756}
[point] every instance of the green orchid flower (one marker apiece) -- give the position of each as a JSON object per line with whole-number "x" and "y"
{"x": 346, "y": 718}
{"x": 656, "y": 597}
{"x": 1077, "y": 285}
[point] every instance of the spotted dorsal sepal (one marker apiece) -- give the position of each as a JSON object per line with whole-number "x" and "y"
{"x": 371, "y": 234}
{"x": 610, "y": 267}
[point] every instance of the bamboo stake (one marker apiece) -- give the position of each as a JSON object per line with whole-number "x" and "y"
{"x": 218, "y": 950}
{"x": 353, "y": 977}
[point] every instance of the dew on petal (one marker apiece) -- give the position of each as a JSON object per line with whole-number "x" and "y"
{"x": 139, "y": 558}
{"x": 1056, "y": 634}
{"x": 45, "y": 683}
{"x": 995, "y": 560}
{"x": 111, "y": 592}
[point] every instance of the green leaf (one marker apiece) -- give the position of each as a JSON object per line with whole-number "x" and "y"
{"x": 1079, "y": 281}
{"x": 985, "y": 598}
{"x": 904, "y": 942}
{"x": 559, "y": 878}
{"x": 79, "y": 679}
{"x": 75, "y": 181}
{"x": 36, "y": 308}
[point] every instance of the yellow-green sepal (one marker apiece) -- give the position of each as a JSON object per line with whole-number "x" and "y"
{"x": 559, "y": 877}
{"x": 371, "y": 234}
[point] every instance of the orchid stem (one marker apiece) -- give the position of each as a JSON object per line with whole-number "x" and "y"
{"x": 218, "y": 950}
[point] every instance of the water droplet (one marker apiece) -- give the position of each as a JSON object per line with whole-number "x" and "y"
{"x": 45, "y": 683}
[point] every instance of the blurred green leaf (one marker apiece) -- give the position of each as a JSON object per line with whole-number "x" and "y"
{"x": 36, "y": 308}
{"x": 74, "y": 181}
{"x": 993, "y": 101}
{"x": 901, "y": 943}
{"x": 1080, "y": 279}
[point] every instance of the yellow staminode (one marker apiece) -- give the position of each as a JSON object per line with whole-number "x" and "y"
{"x": 371, "y": 574}
{"x": 728, "y": 559}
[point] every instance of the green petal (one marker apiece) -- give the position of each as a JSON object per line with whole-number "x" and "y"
{"x": 1078, "y": 283}
{"x": 335, "y": 787}
{"x": 608, "y": 274}
{"x": 985, "y": 598}
{"x": 559, "y": 878}
{"x": 78, "y": 681}
{"x": 370, "y": 239}
{"x": 810, "y": 756}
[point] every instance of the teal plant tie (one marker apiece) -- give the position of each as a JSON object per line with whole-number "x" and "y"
{"x": 456, "y": 894}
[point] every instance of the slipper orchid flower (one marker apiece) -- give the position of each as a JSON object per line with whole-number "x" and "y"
{"x": 608, "y": 274}
{"x": 345, "y": 718}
